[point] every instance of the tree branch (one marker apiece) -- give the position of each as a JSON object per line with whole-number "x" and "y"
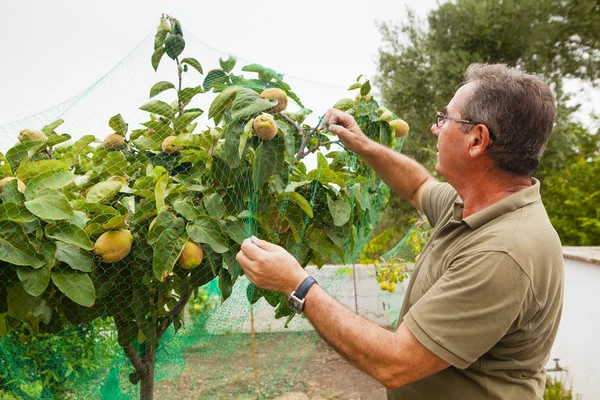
{"x": 135, "y": 361}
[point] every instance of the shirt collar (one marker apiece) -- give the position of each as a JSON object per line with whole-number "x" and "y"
{"x": 516, "y": 200}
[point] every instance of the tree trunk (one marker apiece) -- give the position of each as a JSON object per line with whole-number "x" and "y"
{"x": 147, "y": 380}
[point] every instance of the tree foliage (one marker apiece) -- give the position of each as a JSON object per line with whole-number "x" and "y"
{"x": 422, "y": 63}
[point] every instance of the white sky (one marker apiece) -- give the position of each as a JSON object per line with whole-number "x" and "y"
{"x": 52, "y": 50}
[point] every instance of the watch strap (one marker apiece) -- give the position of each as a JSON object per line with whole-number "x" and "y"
{"x": 302, "y": 290}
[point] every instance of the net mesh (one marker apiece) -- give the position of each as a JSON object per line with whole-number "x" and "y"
{"x": 118, "y": 238}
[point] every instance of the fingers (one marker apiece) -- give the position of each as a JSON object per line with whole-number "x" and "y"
{"x": 263, "y": 244}
{"x": 251, "y": 250}
{"x": 243, "y": 259}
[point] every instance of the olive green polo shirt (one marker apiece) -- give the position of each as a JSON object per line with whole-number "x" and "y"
{"x": 486, "y": 296}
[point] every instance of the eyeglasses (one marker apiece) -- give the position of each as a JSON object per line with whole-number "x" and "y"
{"x": 440, "y": 118}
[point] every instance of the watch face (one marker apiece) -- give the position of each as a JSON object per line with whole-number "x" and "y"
{"x": 295, "y": 305}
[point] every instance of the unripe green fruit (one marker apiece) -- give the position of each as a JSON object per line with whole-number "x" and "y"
{"x": 113, "y": 142}
{"x": 174, "y": 45}
{"x": 20, "y": 184}
{"x": 264, "y": 127}
{"x": 168, "y": 146}
{"x": 191, "y": 256}
{"x": 400, "y": 127}
{"x": 31, "y": 134}
{"x": 113, "y": 246}
{"x": 279, "y": 95}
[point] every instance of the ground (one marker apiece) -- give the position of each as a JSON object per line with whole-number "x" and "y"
{"x": 290, "y": 366}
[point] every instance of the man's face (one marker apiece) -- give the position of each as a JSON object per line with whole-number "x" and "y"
{"x": 452, "y": 156}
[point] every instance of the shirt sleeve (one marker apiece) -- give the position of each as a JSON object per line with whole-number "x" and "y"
{"x": 436, "y": 201}
{"x": 470, "y": 308}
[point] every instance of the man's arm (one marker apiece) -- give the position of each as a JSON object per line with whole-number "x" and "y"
{"x": 392, "y": 358}
{"x": 402, "y": 174}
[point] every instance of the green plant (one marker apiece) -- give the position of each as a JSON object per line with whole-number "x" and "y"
{"x": 76, "y": 243}
{"x": 556, "y": 390}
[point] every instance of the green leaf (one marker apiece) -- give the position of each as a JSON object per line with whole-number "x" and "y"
{"x": 214, "y": 206}
{"x": 207, "y": 230}
{"x": 115, "y": 164}
{"x": 2, "y": 325}
{"x": 186, "y": 209}
{"x": 174, "y": 45}
{"x": 269, "y": 159}
{"x": 50, "y": 127}
{"x": 68, "y": 233}
{"x": 20, "y": 151}
{"x": 156, "y": 56}
{"x": 118, "y": 124}
{"x": 183, "y": 120}
{"x": 160, "y": 192}
{"x": 354, "y": 86}
{"x": 214, "y": 79}
{"x": 22, "y": 305}
{"x": 222, "y": 102}
{"x": 74, "y": 256}
{"x": 11, "y": 193}
{"x": 10, "y": 211}
{"x": 35, "y": 281}
{"x": 365, "y": 88}
{"x": 254, "y": 68}
{"x": 32, "y": 169}
{"x": 233, "y": 133}
{"x": 168, "y": 248}
{"x": 237, "y": 230}
{"x": 75, "y": 285}
{"x": 160, "y": 87}
{"x": 192, "y": 62}
{"x": 299, "y": 200}
{"x": 48, "y": 180}
{"x": 103, "y": 191}
{"x": 248, "y": 104}
{"x": 163, "y": 220}
{"x": 159, "y": 39}
{"x": 340, "y": 210}
{"x": 244, "y": 138}
{"x": 160, "y": 108}
{"x": 54, "y": 139}
{"x": 5, "y": 169}
{"x": 186, "y": 95}
{"x": 225, "y": 284}
{"x": 16, "y": 249}
{"x": 50, "y": 205}
{"x": 228, "y": 64}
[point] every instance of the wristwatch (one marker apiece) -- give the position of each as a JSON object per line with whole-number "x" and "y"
{"x": 296, "y": 299}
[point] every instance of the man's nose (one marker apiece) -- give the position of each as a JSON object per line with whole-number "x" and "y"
{"x": 435, "y": 130}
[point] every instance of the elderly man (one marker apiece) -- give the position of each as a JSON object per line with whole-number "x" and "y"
{"x": 484, "y": 301}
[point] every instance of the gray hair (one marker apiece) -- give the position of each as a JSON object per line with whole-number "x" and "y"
{"x": 518, "y": 108}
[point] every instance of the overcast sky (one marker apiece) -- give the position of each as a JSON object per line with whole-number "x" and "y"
{"x": 52, "y": 50}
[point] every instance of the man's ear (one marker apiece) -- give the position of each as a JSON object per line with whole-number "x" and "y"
{"x": 479, "y": 140}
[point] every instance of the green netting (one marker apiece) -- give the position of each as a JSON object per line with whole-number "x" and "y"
{"x": 118, "y": 238}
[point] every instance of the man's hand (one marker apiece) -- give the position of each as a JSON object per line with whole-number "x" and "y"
{"x": 269, "y": 266}
{"x": 345, "y": 127}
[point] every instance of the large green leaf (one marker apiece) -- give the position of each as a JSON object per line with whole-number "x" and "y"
{"x": 20, "y": 151}
{"x": 225, "y": 284}
{"x": 70, "y": 234}
{"x": 222, "y": 102}
{"x": 10, "y": 211}
{"x": 118, "y": 124}
{"x": 268, "y": 160}
{"x": 54, "y": 139}
{"x": 115, "y": 164}
{"x": 35, "y": 281}
{"x": 214, "y": 206}
{"x": 163, "y": 220}
{"x": 168, "y": 248}
{"x": 160, "y": 87}
{"x": 233, "y": 133}
{"x": 16, "y": 249}
{"x": 5, "y": 169}
{"x": 76, "y": 285}
{"x": 32, "y": 169}
{"x": 207, "y": 230}
{"x": 298, "y": 199}
{"x": 11, "y": 193}
{"x": 50, "y": 205}
{"x": 74, "y": 256}
{"x": 103, "y": 191}
{"x": 160, "y": 192}
{"x": 339, "y": 209}
{"x": 227, "y": 65}
{"x": 248, "y": 104}
{"x": 186, "y": 209}
{"x": 23, "y": 306}
{"x": 48, "y": 180}
{"x": 160, "y": 108}
{"x": 214, "y": 79}
{"x": 237, "y": 230}
{"x": 156, "y": 56}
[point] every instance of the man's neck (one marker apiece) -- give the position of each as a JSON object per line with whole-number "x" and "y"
{"x": 480, "y": 192}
